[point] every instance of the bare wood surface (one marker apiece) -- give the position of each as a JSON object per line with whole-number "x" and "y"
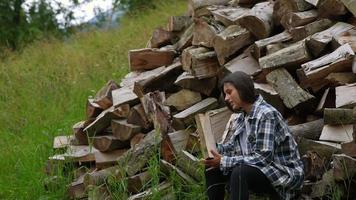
{"x": 92, "y": 109}
{"x": 205, "y": 32}
{"x": 178, "y": 23}
{"x": 341, "y": 78}
{"x": 189, "y": 53}
{"x": 103, "y": 97}
{"x": 76, "y": 190}
{"x": 302, "y": 32}
{"x": 259, "y": 48}
{"x": 203, "y": 86}
{"x": 349, "y": 148}
{"x": 179, "y": 140}
{"x": 259, "y": 20}
{"x": 345, "y": 96}
{"x": 124, "y": 131}
{"x": 168, "y": 168}
{"x": 79, "y": 134}
{"x": 129, "y": 80}
{"x": 136, "y": 183}
{"x": 337, "y": 133}
{"x": 183, "y": 99}
{"x": 108, "y": 159}
{"x": 194, "y": 5}
{"x": 350, "y": 5}
{"x": 294, "y": 19}
{"x": 271, "y": 96}
{"x": 124, "y": 95}
{"x": 186, "y": 39}
{"x": 229, "y": 41}
{"x": 245, "y": 63}
{"x": 146, "y": 59}
{"x": 205, "y": 65}
{"x": 108, "y": 143}
{"x": 136, "y": 139}
{"x": 229, "y": 15}
{"x": 282, "y": 8}
{"x": 329, "y": 8}
{"x": 345, "y": 37}
{"x": 160, "y": 37}
{"x": 62, "y": 142}
{"x": 190, "y": 165}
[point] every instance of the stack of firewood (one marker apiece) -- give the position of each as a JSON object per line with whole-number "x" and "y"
{"x": 300, "y": 54}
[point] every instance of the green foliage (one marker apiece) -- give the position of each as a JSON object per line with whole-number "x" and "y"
{"x": 134, "y": 5}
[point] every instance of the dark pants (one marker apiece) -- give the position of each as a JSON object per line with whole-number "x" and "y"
{"x": 241, "y": 180}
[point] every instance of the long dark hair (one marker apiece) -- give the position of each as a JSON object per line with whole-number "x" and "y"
{"x": 243, "y": 84}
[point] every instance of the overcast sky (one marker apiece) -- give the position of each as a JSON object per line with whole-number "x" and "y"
{"x": 84, "y": 12}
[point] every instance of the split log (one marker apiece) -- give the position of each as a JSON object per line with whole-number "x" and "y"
{"x": 339, "y": 60}
{"x": 294, "y": 19}
{"x": 231, "y": 40}
{"x": 104, "y": 119}
{"x": 108, "y": 143}
{"x": 344, "y": 167}
{"x": 314, "y": 166}
{"x": 136, "y": 139}
{"x": 345, "y": 96}
{"x": 190, "y": 165}
{"x": 76, "y": 154}
{"x": 205, "y": 31}
{"x": 310, "y": 130}
{"x": 76, "y": 190}
{"x": 244, "y": 63}
{"x": 131, "y": 162}
{"x": 293, "y": 96}
{"x": 229, "y": 15}
{"x": 103, "y": 97}
{"x": 108, "y": 159}
{"x": 315, "y": 3}
{"x": 179, "y": 140}
{"x": 345, "y": 37}
{"x": 137, "y": 182}
{"x": 302, "y": 32}
{"x": 318, "y": 41}
{"x": 354, "y": 66}
{"x": 282, "y": 8}
{"x": 259, "y": 48}
{"x": 160, "y": 38}
{"x": 339, "y": 116}
{"x": 146, "y": 59}
{"x": 271, "y": 96}
{"x": 163, "y": 189}
{"x": 322, "y": 188}
{"x": 330, "y": 8}
{"x": 349, "y": 148}
{"x": 271, "y": 48}
{"x": 129, "y": 80}
{"x": 80, "y": 136}
{"x": 101, "y": 192}
{"x": 62, "y": 142}
{"x": 337, "y": 133}
{"x": 342, "y": 78}
{"x": 124, "y": 131}
{"x": 92, "y": 109}
{"x": 124, "y": 95}
{"x": 162, "y": 81}
{"x": 186, "y": 116}
{"x": 259, "y": 20}
{"x": 137, "y": 116}
{"x": 324, "y": 149}
{"x": 183, "y": 99}
{"x": 189, "y": 53}
{"x": 290, "y": 57}
{"x": 203, "y": 86}
{"x": 350, "y": 5}
{"x": 186, "y": 39}
{"x": 179, "y": 23}
{"x": 195, "y": 5}
{"x": 205, "y": 65}
{"x": 167, "y": 168}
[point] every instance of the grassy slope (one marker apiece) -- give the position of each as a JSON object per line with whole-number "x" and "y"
{"x": 43, "y": 92}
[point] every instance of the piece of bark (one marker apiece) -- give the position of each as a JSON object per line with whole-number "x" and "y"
{"x": 92, "y": 109}
{"x": 163, "y": 189}
{"x": 76, "y": 190}
{"x": 161, "y": 117}
{"x": 179, "y": 140}
{"x": 326, "y": 101}
{"x": 345, "y": 37}
{"x": 271, "y": 96}
{"x": 314, "y": 166}
{"x": 103, "y": 97}
{"x": 350, "y": 5}
{"x": 186, "y": 116}
{"x": 136, "y": 139}
{"x": 318, "y": 41}
{"x": 293, "y": 96}
{"x": 302, "y": 32}
{"x": 337, "y": 133}
{"x": 137, "y": 116}
{"x": 167, "y": 168}
{"x": 231, "y": 40}
{"x": 146, "y": 59}
{"x": 104, "y": 119}
{"x": 183, "y": 99}
{"x": 229, "y": 15}
{"x": 245, "y": 63}
{"x": 345, "y": 96}
{"x": 190, "y": 165}
{"x": 79, "y": 134}
{"x": 160, "y": 38}
{"x": 339, "y": 60}
{"x": 290, "y": 57}
{"x": 203, "y": 86}
{"x": 330, "y": 8}
{"x": 339, "y": 116}
{"x": 205, "y": 31}
{"x": 107, "y": 159}
{"x": 131, "y": 162}
{"x": 108, "y": 143}
{"x": 259, "y": 20}
{"x": 294, "y": 19}
{"x": 137, "y": 182}
{"x": 310, "y": 130}
{"x": 344, "y": 167}
{"x": 259, "y": 47}
{"x": 124, "y": 131}
{"x": 124, "y": 95}
{"x": 178, "y": 23}
{"x": 161, "y": 81}
{"x": 62, "y": 142}
{"x": 341, "y": 78}
{"x": 186, "y": 39}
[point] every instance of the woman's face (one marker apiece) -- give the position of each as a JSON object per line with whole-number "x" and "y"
{"x": 232, "y": 97}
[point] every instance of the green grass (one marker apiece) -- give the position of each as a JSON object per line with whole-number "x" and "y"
{"x": 43, "y": 91}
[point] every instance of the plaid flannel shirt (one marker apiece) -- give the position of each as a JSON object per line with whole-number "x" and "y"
{"x": 270, "y": 148}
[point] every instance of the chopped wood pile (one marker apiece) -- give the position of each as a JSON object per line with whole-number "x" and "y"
{"x": 301, "y": 55}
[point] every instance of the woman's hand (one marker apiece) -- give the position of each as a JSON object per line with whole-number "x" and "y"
{"x": 214, "y": 161}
